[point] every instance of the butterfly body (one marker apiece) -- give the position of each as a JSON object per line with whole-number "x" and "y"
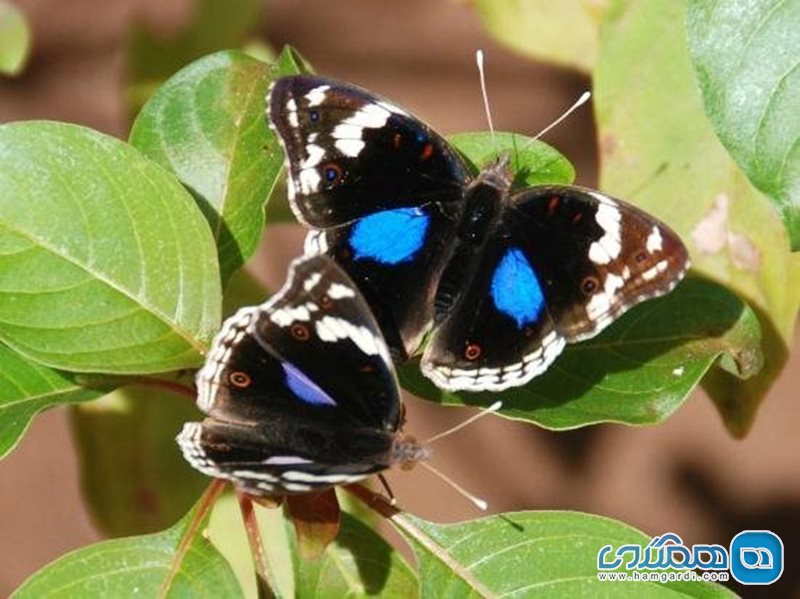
{"x": 300, "y": 392}
{"x": 505, "y": 278}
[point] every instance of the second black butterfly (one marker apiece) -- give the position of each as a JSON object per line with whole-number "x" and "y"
{"x": 505, "y": 278}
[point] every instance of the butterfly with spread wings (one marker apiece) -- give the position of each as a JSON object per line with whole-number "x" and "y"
{"x": 502, "y": 278}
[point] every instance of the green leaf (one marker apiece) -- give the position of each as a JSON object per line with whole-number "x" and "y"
{"x": 106, "y": 264}
{"x": 14, "y": 40}
{"x": 133, "y": 477}
{"x": 359, "y": 563}
{"x": 290, "y": 62}
{"x": 659, "y": 151}
{"x": 152, "y": 57}
{"x": 747, "y": 59}
{"x": 638, "y": 371}
{"x": 25, "y": 390}
{"x": 529, "y": 554}
{"x": 242, "y": 290}
{"x": 532, "y": 161}
{"x": 226, "y": 531}
{"x": 562, "y": 32}
{"x": 137, "y": 566}
{"x": 207, "y": 125}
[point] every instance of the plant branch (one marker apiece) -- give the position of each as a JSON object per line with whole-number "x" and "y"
{"x": 203, "y": 509}
{"x": 172, "y": 386}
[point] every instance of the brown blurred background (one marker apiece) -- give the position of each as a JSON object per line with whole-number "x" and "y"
{"x": 686, "y": 476}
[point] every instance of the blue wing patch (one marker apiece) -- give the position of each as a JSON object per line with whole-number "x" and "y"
{"x": 305, "y": 388}
{"x": 515, "y": 290}
{"x": 391, "y": 236}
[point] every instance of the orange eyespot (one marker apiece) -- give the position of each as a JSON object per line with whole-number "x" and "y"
{"x": 239, "y": 379}
{"x": 300, "y": 332}
{"x": 589, "y": 285}
{"x": 473, "y": 351}
{"x": 325, "y": 301}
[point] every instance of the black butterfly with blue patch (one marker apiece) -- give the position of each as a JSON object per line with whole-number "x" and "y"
{"x": 300, "y": 393}
{"x": 504, "y": 278}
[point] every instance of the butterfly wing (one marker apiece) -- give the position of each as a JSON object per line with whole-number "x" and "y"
{"x": 350, "y": 153}
{"x": 300, "y": 392}
{"x": 396, "y": 257}
{"x": 561, "y": 265}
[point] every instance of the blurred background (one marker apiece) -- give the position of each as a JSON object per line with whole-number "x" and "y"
{"x": 686, "y": 476}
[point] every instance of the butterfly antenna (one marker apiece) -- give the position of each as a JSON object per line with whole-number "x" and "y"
{"x": 477, "y": 501}
{"x": 492, "y": 408}
{"x": 577, "y": 104}
{"x": 482, "y": 74}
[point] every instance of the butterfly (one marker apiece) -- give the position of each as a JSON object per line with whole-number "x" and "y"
{"x": 300, "y": 392}
{"x": 501, "y": 278}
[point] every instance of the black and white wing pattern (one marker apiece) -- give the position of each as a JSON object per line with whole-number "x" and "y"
{"x": 300, "y": 393}
{"x": 350, "y": 153}
{"x": 504, "y": 278}
{"x": 560, "y": 265}
{"x": 384, "y": 188}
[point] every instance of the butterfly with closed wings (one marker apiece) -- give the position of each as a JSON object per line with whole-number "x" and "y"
{"x": 300, "y": 393}
{"x": 504, "y": 278}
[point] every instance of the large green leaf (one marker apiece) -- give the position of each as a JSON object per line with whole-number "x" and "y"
{"x": 15, "y": 40}
{"x": 638, "y": 371}
{"x": 659, "y": 150}
{"x": 746, "y": 54}
{"x": 154, "y": 56}
{"x": 26, "y": 389}
{"x": 562, "y": 32}
{"x": 138, "y": 566}
{"x": 529, "y": 554}
{"x": 207, "y": 125}
{"x": 106, "y": 264}
{"x": 359, "y": 563}
{"x": 133, "y": 476}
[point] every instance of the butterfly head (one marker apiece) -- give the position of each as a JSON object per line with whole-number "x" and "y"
{"x": 497, "y": 174}
{"x": 407, "y": 451}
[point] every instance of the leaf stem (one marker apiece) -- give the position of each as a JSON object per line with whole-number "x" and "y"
{"x": 266, "y": 581}
{"x": 203, "y": 509}
{"x": 407, "y": 528}
{"x": 177, "y": 388}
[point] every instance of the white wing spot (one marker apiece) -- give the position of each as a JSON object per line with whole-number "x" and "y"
{"x": 654, "y": 240}
{"x": 350, "y": 147}
{"x": 317, "y": 95}
{"x": 338, "y": 291}
{"x": 609, "y": 246}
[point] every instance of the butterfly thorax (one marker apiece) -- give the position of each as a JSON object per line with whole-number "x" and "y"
{"x": 483, "y": 203}
{"x": 483, "y": 200}
{"x": 407, "y": 451}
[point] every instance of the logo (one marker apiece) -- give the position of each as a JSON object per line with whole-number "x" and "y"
{"x": 753, "y": 557}
{"x": 756, "y": 557}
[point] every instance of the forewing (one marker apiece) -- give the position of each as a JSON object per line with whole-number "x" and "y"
{"x": 597, "y": 256}
{"x": 350, "y": 153}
